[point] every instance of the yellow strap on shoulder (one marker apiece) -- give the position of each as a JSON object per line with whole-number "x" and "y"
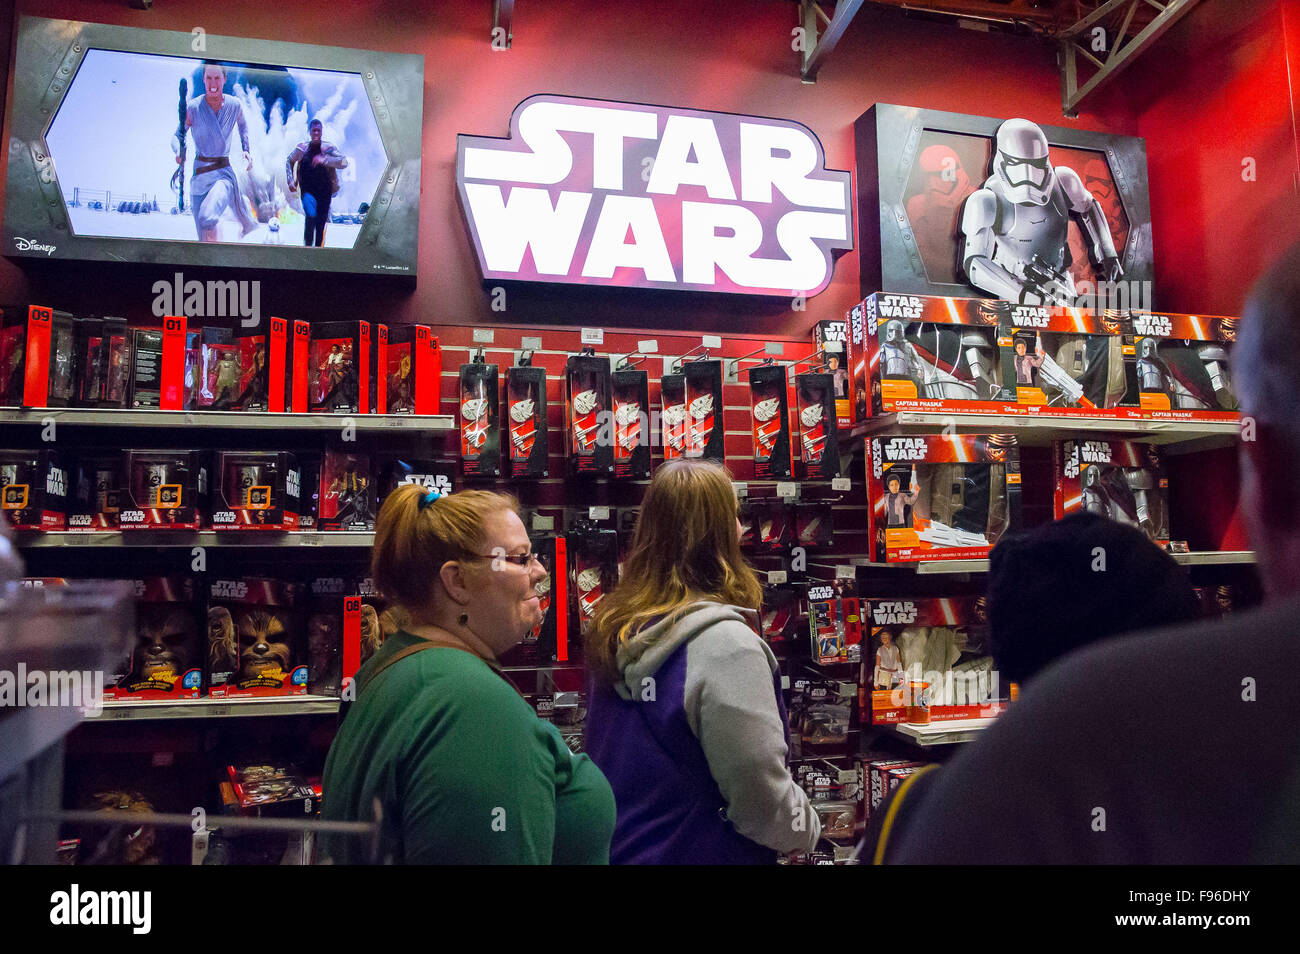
{"x": 892, "y": 812}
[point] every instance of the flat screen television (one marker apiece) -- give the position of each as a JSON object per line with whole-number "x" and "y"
{"x": 171, "y": 148}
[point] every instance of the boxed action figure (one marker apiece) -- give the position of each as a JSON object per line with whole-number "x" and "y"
{"x": 254, "y": 647}
{"x": 48, "y": 364}
{"x": 13, "y": 349}
{"x": 820, "y": 712}
{"x": 672, "y": 414}
{"x": 928, "y": 660}
{"x": 818, "y": 434}
{"x": 704, "y": 431}
{"x": 325, "y": 598}
{"x": 526, "y": 408}
{"x": 256, "y": 490}
{"x": 630, "y": 388}
{"x": 834, "y": 623}
{"x": 245, "y": 372}
{"x": 1117, "y": 479}
{"x": 770, "y": 414}
{"x": 1179, "y": 365}
{"x": 34, "y": 490}
{"x": 1064, "y": 360}
{"x": 941, "y": 497}
{"x": 340, "y": 367}
{"x": 588, "y": 447}
{"x": 166, "y": 661}
{"x": 480, "y": 423}
{"x": 408, "y": 370}
{"x": 832, "y": 338}
{"x": 347, "y": 492}
{"x": 300, "y": 377}
{"x": 96, "y": 492}
{"x": 103, "y": 363}
{"x": 163, "y": 490}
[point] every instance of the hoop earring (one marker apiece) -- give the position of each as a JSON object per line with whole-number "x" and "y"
{"x": 464, "y": 618}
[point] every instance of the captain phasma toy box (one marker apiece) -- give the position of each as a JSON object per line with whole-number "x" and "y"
{"x": 1065, "y": 362}
{"x": 1117, "y": 479}
{"x": 1178, "y": 366}
{"x": 941, "y": 497}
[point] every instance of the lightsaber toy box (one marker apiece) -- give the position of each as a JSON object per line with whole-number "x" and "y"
{"x": 818, "y": 433}
{"x": 34, "y": 490}
{"x": 526, "y": 419}
{"x": 588, "y": 442}
{"x": 704, "y": 409}
{"x": 256, "y": 490}
{"x": 480, "y": 422}
{"x": 1178, "y": 366}
{"x": 163, "y": 490}
{"x": 630, "y": 388}
{"x": 770, "y": 416}
{"x": 927, "y": 660}
{"x": 254, "y": 646}
{"x": 1117, "y": 479}
{"x": 1065, "y": 361}
{"x": 941, "y": 497}
{"x": 166, "y": 661}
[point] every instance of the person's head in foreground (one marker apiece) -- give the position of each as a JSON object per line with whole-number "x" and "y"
{"x": 686, "y": 548}
{"x": 455, "y": 563}
{"x": 1072, "y": 582}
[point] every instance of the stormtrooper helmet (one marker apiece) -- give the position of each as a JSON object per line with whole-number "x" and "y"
{"x": 894, "y": 333}
{"x": 1022, "y": 162}
{"x": 1148, "y": 349}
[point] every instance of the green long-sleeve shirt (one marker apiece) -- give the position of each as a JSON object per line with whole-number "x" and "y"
{"x": 464, "y": 770}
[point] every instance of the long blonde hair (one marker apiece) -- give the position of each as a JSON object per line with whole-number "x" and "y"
{"x": 685, "y": 549}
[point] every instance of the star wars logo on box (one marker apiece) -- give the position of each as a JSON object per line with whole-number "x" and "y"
{"x": 818, "y": 434}
{"x": 164, "y": 490}
{"x": 1179, "y": 365}
{"x": 942, "y": 497}
{"x": 588, "y": 434}
{"x": 325, "y": 597}
{"x": 409, "y": 374}
{"x": 1059, "y": 358}
{"x": 672, "y": 414}
{"x": 34, "y": 490}
{"x": 258, "y": 490}
{"x": 770, "y": 420}
{"x": 347, "y": 492}
{"x": 439, "y": 475}
{"x": 1121, "y": 480}
{"x": 166, "y": 661}
{"x": 631, "y": 397}
{"x": 96, "y": 493}
{"x": 254, "y": 644}
{"x": 480, "y": 427}
{"x": 526, "y": 418}
{"x": 339, "y": 367}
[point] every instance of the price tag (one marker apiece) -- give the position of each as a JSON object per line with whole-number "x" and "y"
{"x": 846, "y": 573}
{"x": 787, "y": 490}
{"x": 649, "y": 346}
{"x": 543, "y": 523}
{"x": 841, "y": 483}
{"x": 484, "y": 335}
{"x": 530, "y": 344}
{"x": 593, "y": 336}
{"x": 774, "y": 348}
{"x": 741, "y": 488}
{"x": 598, "y": 513}
{"x": 312, "y": 540}
{"x": 775, "y": 576}
{"x": 713, "y": 341}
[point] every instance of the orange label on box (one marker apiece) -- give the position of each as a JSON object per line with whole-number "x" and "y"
{"x": 901, "y": 537}
{"x": 1013, "y": 478}
{"x": 1154, "y": 401}
{"x": 15, "y": 497}
{"x": 897, "y": 390}
{"x": 1031, "y": 396}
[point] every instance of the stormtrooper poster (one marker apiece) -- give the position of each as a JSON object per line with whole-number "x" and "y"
{"x": 972, "y": 206}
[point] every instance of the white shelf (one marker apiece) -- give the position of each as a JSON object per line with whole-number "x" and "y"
{"x": 190, "y": 538}
{"x": 929, "y": 567}
{"x": 243, "y": 420}
{"x": 117, "y": 711}
{"x": 1033, "y": 430}
{"x": 1215, "y": 557}
{"x": 949, "y": 732}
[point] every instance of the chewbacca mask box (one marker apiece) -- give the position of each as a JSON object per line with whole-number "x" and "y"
{"x": 254, "y": 648}
{"x": 166, "y": 661}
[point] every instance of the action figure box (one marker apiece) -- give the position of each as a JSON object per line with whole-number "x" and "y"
{"x": 158, "y": 363}
{"x": 299, "y": 380}
{"x": 104, "y": 363}
{"x": 202, "y": 366}
{"x": 782, "y": 612}
{"x": 309, "y": 466}
{"x": 325, "y": 599}
{"x": 587, "y": 445}
{"x": 96, "y": 492}
{"x": 820, "y": 713}
{"x": 941, "y": 497}
{"x": 368, "y": 620}
{"x": 48, "y": 362}
{"x": 875, "y": 782}
{"x": 393, "y": 471}
{"x": 273, "y": 791}
{"x": 166, "y": 661}
{"x": 769, "y": 403}
{"x": 13, "y": 350}
{"x": 163, "y": 490}
{"x": 1179, "y": 367}
{"x": 34, "y": 490}
{"x": 672, "y": 415}
{"x": 818, "y": 434}
{"x": 256, "y": 490}
{"x": 592, "y": 558}
{"x": 1065, "y": 361}
{"x": 1121, "y": 480}
{"x": 340, "y": 367}
{"x": 244, "y": 372}
{"x": 835, "y": 623}
{"x": 832, "y": 338}
{"x": 925, "y": 353}
{"x": 254, "y": 646}
{"x": 408, "y": 370}
{"x": 480, "y": 423}
{"x": 87, "y": 334}
{"x": 630, "y": 390}
{"x": 704, "y": 431}
{"x": 526, "y": 409}
{"x": 928, "y": 660}
{"x": 347, "y": 492}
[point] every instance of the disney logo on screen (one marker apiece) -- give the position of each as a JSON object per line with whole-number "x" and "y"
{"x": 31, "y": 245}
{"x": 627, "y": 195}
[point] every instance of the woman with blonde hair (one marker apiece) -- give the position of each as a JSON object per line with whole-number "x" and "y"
{"x": 438, "y": 746}
{"x": 685, "y": 716}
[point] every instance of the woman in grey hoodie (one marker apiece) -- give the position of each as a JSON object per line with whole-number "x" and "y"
{"x": 685, "y": 715}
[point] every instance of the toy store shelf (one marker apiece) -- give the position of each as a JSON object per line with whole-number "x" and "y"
{"x": 1214, "y": 557}
{"x": 244, "y": 420}
{"x": 944, "y": 733}
{"x": 1189, "y": 435}
{"x": 218, "y": 708}
{"x": 924, "y": 567}
{"x": 202, "y": 538}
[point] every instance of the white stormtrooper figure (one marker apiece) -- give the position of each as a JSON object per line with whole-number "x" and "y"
{"x": 1016, "y": 227}
{"x": 1151, "y": 370}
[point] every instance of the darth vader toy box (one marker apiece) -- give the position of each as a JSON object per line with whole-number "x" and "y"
{"x": 1065, "y": 362}
{"x": 166, "y": 661}
{"x": 339, "y": 367}
{"x": 1178, "y": 366}
{"x": 34, "y": 490}
{"x": 526, "y": 419}
{"x": 770, "y": 420}
{"x": 480, "y": 422}
{"x": 256, "y": 490}
{"x": 163, "y": 490}
{"x": 1117, "y": 479}
{"x": 941, "y": 497}
{"x": 588, "y": 434}
{"x": 254, "y": 646}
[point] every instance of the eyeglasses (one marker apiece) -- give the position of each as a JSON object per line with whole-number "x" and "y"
{"x": 518, "y": 559}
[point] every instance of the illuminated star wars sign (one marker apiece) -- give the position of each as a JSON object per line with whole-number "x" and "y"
{"x": 590, "y": 192}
